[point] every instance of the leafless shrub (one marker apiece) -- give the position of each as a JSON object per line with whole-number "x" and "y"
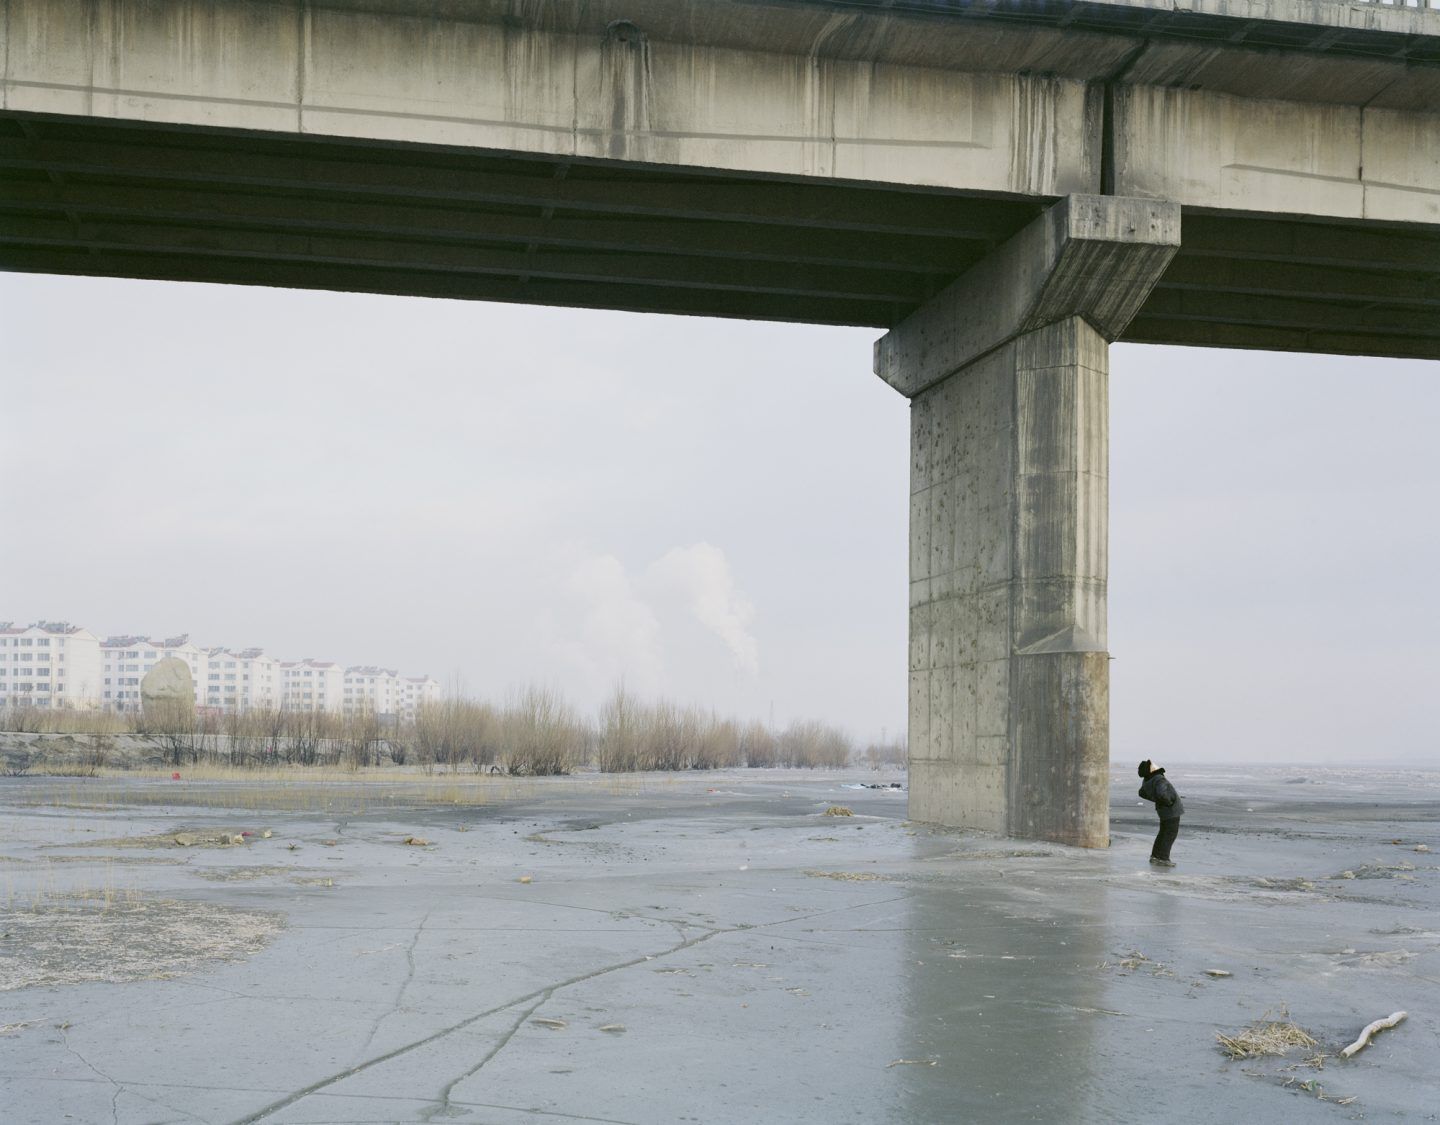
{"x": 619, "y": 742}
{"x": 535, "y": 732}
{"x": 759, "y": 747}
{"x": 879, "y": 755}
{"x": 541, "y": 735}
{"x": 362, "y": 738}
{"x": 453, "y": 732}
{"x": 30, "y": 718}
{"x": 95, "y": 755}
{"x": 634, "y": 735}
{"x": 24, "y": 719}
{"x": 717, "y": 744}
{"x": 179, "y": 732}
{"x": 814, "y": 745}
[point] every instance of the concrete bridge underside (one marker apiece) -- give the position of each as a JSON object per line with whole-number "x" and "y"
{"x": 1005, "y": 188}
{"x": 131, "y": 199}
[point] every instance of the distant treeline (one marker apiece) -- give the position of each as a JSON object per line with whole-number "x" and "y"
{"x": 534, "y": 732}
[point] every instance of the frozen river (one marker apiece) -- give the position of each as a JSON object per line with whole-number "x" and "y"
{"x": 707, "y": 948}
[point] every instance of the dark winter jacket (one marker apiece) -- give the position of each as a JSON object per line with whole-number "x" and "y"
{"x": 1157, "y": 788}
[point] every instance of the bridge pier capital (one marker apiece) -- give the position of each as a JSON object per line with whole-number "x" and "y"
{"x": 1007, "y": 371}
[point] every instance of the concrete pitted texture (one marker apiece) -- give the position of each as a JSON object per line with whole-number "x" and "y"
{"x": 1008, "y": 370}
{"x": 712, "y": 948}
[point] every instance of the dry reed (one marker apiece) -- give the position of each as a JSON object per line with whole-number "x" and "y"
{"x": 1265, "y": 1036}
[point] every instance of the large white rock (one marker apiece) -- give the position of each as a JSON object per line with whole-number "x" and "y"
{"x": 168, "y": 687}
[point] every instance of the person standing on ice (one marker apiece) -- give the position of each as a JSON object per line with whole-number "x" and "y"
{"x": 1156, "y": 787}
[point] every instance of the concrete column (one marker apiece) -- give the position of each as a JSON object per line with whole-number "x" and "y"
{"x": 1007, "y": 372}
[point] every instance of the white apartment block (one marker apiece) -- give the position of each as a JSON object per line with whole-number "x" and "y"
{"x": 239, "y": 680}
{"x": 311, "y": 685}
{"x": 416, "y": 692}
{"x": 55, "y": 664}
{"x": 386, "y": 693}
{"x": 371, "y": 690}
{"x": 49, "y": 664}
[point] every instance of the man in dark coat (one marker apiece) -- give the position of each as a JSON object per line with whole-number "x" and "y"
{"x": 1157, "y": 788}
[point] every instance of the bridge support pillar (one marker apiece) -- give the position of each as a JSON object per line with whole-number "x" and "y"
{"x": 1007, "y": 371}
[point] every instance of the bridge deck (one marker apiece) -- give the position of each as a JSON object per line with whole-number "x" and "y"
{"x": 1377, "y": 29}
{"x": 117, "y": 199}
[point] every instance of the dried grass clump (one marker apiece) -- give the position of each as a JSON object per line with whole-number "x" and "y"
{"x": 1265, "y": 1037}
{"x": 838, "y": 810}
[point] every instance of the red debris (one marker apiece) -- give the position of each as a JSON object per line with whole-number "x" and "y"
{"x": 174, "y": 777}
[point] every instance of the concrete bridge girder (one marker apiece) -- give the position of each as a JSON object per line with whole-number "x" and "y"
{"x": 855, "y": 97}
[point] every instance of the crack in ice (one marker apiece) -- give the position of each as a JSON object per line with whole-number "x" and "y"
{"x": 538, "y": 995}
{"x": 404, "y": 984}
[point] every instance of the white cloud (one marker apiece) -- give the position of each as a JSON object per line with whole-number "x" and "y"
{"x": 612, "y": 626}
{"x": 700, "y": 576}
{"x": 614, "y": 634}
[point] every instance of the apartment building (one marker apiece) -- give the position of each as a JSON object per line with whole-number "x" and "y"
{"x": 49, "y": 664}
{"x": 311, "y": 685}
{"x": 56, "y": 664}
{"x": 371, "y": 690}
{"x": 239, "y": 680}
{"x": 384, "y": 692}
{"x": 415, "y": 692}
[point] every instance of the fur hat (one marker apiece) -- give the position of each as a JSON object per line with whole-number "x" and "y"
{"x": 1145, "y": 770}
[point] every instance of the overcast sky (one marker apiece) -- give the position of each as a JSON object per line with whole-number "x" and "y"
{"x": 714, "y": 510}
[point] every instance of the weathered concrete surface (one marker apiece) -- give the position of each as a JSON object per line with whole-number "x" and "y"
{"x": 765, "y": 962}
{"x": 1090, "y": 256}
{"x": 1210, "y": 149}
{"x": 777, "y": 88}
{"x": 1009, "y": 519}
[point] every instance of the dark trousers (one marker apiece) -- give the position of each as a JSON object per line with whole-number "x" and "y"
{"x": 1169, "y": 829}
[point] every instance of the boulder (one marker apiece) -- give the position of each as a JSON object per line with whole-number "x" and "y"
{"x": 167, "y": 694}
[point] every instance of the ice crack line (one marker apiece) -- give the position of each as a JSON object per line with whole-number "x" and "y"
{"x": 443, "y": 1103}
{"x": 404, "y": 984}
{"x": 538, "y": 996}
{"x": 119, "y": 1089}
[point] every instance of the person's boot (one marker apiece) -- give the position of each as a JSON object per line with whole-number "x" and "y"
{"x": 1158, "y": 862}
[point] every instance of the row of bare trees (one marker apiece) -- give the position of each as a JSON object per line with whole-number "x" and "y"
{"x": 535, "y": 732}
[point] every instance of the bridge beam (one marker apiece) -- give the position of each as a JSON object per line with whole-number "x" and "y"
{"x": 1007, "y": 371}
